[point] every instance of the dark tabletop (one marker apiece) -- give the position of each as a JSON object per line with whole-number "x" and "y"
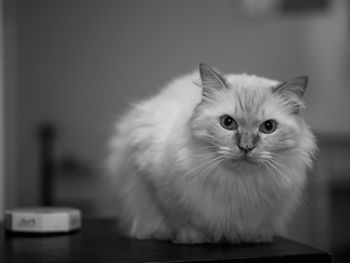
{"x": 98, "y": 241}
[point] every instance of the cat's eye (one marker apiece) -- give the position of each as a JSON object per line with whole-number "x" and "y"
{"x": 268, "y": 126}
{"x": 228, "y": 122}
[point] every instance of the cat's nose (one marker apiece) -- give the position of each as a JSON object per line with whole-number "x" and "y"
{"x": 246, "y": 148}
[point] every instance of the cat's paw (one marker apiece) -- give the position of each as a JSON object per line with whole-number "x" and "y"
{"x": 189, "y": 235}
{"x": 264, "y": 235}
{"x": 157, "y": 230}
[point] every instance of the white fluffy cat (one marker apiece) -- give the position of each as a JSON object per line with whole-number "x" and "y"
{"x": 223, "y": 159}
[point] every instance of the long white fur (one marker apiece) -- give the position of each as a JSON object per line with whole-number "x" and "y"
{"x": 169, "y": 185}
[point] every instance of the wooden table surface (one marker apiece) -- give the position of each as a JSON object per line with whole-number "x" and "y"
{"x": 98, "y": 241}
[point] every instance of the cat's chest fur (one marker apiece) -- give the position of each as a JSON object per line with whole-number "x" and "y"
{"x": 224, "y": 200}
{"x": 229, "y": 195}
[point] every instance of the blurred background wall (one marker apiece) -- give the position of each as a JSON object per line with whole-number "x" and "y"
{"x": 77, "y": 65}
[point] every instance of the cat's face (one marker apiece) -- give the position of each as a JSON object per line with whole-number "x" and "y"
{"x": 249, "y": 120}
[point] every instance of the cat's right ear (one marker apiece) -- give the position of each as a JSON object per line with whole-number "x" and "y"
{"x": 293, "y": 90}
{"x": 296, "y": 86}
{"x": 210, "y": 80}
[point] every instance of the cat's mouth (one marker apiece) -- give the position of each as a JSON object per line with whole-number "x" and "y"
{"x": 242, "y": 162}
{"x": 245, "y": 159}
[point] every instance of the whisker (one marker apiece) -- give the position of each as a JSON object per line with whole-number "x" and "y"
{"x": 279, "y": 165}
{"x": 204, "y": 167}
{"x": 276, "y": 169}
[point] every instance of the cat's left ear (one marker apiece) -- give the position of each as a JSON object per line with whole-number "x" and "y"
{"x": 295, "y": 87}
{"x": 210, "y": 80}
